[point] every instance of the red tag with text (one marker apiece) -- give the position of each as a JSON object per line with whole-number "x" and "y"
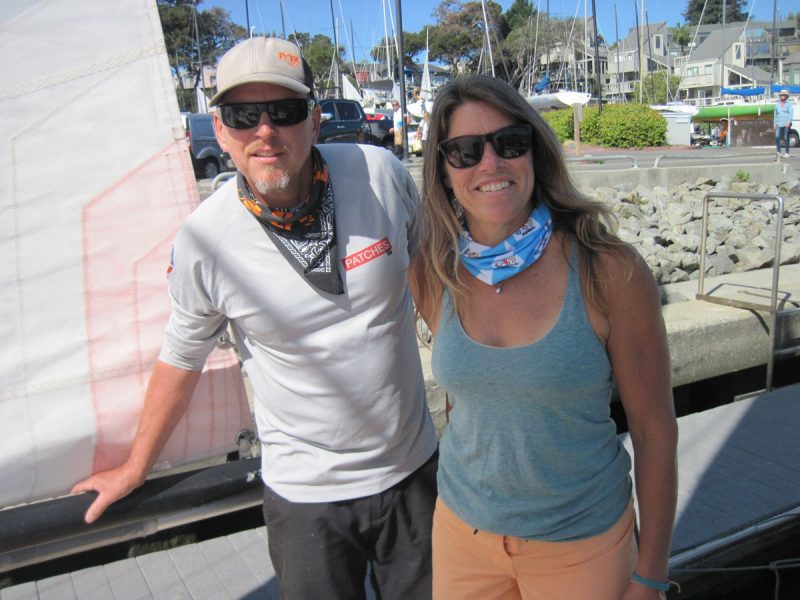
{"x": 369, "y": 253}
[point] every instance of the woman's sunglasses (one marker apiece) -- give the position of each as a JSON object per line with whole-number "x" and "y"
{"x": 466, "y": 151}
{"x": 282, "y": 113}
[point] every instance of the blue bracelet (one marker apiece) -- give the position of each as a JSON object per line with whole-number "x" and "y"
{"x": 661, "y": 586}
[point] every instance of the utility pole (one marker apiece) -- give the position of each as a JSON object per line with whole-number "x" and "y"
{"x": 247, "y": 16}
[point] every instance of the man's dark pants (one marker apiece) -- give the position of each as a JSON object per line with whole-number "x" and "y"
{"x": 320, "y": 551}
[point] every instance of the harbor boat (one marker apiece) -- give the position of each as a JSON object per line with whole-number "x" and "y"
{"x": 557, "y": 100}
{"x": 740, "y": 124}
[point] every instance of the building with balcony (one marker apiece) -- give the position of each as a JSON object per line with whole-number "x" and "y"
{"x": 571, "y": 64}
{"x": 643, "y": 51}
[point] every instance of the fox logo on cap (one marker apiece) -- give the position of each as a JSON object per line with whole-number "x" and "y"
{"x": 289, "y": 58}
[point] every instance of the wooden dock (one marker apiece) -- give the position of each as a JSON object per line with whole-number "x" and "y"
{"x": 739, "y": 493}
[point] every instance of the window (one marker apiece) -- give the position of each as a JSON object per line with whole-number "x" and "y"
{"x": 347, "y": 111}
{"x": 737, "y": 49}
{"x": 657, "y": 42}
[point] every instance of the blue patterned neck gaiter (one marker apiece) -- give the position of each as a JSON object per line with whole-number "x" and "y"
{"x": 511, "y": 256}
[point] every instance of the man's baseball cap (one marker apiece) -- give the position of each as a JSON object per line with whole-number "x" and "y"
{"x": 263, "y": 60}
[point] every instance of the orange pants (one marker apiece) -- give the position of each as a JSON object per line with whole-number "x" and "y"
{"x": 487, "y": 566}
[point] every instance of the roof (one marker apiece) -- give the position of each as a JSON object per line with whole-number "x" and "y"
{"x": 755, "y": 74}
{"x": 630, "y": 42}
{"x": 715, "y": 44}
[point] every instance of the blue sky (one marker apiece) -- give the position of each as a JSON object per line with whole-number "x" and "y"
{"x": 314, "y": 16}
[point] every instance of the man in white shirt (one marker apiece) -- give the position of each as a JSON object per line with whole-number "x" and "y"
{"x": 304, "y": 254}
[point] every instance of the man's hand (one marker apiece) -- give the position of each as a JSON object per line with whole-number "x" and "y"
{"x": 110, "y": 485}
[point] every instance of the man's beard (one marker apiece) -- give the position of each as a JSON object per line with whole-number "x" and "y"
{"x": 274, "y": 180}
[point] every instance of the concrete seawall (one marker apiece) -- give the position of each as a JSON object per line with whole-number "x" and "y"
{"x": 669, "y": 176}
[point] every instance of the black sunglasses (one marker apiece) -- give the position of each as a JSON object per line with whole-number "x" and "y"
{"x": 282, "y": 113}
{"x": 466, "y": 151}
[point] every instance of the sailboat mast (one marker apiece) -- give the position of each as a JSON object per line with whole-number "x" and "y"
{"x": 488, "y": 39}
{"x": 353, "y": 53}
{"x": 547, "y": 39}
{"x": 616, "y": 33}
{"x": 202, "y": 83}
{"x": 773, "y": 52}
{"x": 585, "y": 49}
{"x": 389, "y": 72}
{"x": 640, "y": 31}
{"x": 597, "y": 60}
{"x": 335, "y": 53}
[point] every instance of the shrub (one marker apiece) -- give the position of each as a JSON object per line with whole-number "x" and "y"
{"x": 590, "y": 126}
{"x": 631, "y": 126}
{"x": 560, "y": 122}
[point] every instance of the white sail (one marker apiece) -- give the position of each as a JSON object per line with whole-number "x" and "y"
{"x": 425, "y": 89}
{"x": 91, "y": 196}
{"x": 202, "y": 100}
{"x": 349, "y": 91}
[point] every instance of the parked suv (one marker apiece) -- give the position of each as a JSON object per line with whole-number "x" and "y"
{"x": 208, "y": 159}
{"x": 343, "y": 121}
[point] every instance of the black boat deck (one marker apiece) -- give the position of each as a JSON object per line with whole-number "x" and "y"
{"x": 739, "y": 471}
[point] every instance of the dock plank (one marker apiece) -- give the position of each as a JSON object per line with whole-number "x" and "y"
{"x": 739, "y": 464}
{"x": 92, "y": 584}
{"x": 198, "y": 575}
{"x": 163, "y": 579}
{"x": 237, "y": 577}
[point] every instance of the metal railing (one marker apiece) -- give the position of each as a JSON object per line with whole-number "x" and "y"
{"x": 220, "y": 179}
{"x": 603, "y": 159}
{"x": 769, "y": 157}
{"x": 772, "y": 308}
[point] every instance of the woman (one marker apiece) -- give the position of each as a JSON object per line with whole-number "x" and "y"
{"x": 534, "y": 304}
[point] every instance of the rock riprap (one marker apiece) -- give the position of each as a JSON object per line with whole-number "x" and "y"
{"x": 665, "y": 226}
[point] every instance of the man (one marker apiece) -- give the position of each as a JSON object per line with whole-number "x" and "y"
{"x": 305, "y": 253}
{"x": 398, "y": 128}
{"x": 783, "y": 122}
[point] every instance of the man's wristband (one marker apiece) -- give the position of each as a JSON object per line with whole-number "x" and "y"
{"x": 661, "y": 586}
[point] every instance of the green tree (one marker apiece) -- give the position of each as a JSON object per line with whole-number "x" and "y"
{"x": 459, "y": 33}
{"x": 318, "y": 52}
{"x": 216, "y": 33}
{"x": 526, "y": 46}
{"x": 518, "y": 15}
{"x": 659, "y": 88}
{"x": 413, "y": 47}
{"x": 734, "y": 11}
{"x": 682, "y": 36}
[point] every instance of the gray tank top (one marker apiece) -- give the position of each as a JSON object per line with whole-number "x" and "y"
{"x": 531, "y": 450}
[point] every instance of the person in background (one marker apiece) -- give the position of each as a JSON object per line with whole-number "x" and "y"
{"x": 422, "y": 130}
{"x": 305, "y": 255}
{"x": 782, "y": 118}
{"x": 537, "y": 309}
{"x": 398, "y": 128}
